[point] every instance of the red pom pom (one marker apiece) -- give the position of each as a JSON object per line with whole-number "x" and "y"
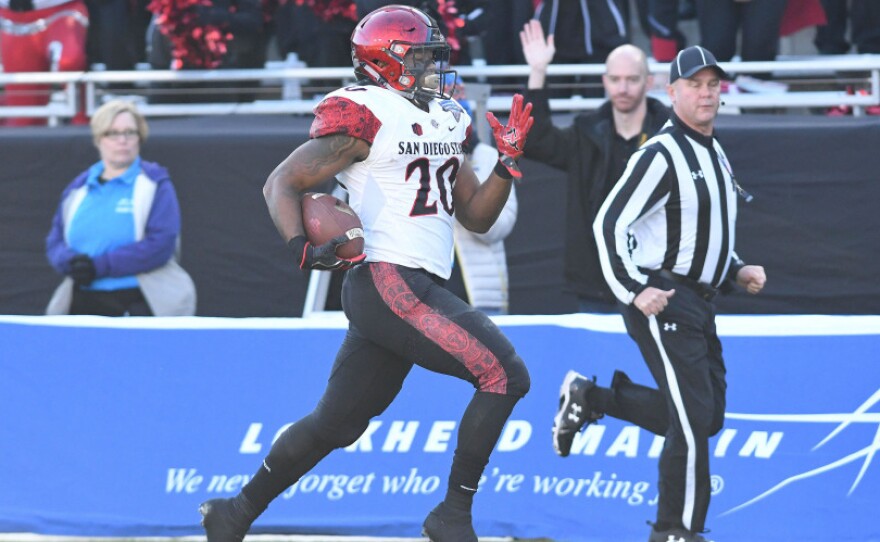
{"x": 449, "y": 13}
{"x": 192, "y": 46}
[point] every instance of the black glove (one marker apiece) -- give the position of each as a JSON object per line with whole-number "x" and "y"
{"x": 82, "y": 270}
{"x": 322, "y": 257}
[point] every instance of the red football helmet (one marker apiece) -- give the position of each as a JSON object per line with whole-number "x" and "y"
{"x": 401, "y": 49}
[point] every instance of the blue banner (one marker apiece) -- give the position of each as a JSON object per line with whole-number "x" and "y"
{"x": 121, "y": 427}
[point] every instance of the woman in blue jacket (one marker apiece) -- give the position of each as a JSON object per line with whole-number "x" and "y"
{"x": 116, "y": 231}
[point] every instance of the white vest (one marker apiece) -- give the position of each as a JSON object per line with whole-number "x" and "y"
{"x": 481, "y": 256}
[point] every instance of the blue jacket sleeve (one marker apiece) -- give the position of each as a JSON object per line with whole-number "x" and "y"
{"x": 57, "y": 251}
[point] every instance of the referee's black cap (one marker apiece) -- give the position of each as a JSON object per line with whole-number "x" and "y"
{"x": 691, "y": 60}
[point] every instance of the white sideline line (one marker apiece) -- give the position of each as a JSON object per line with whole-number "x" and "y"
{"x": 728, "y": 325}
{"x": 32, "y": 537}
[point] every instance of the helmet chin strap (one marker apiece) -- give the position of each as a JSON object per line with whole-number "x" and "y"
{"x": 382, "y": 82}
{"x": 424, "y": 90}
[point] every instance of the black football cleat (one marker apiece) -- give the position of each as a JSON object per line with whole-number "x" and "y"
{"x": 675, "y": 535}
{"x": 218, "y": 519}
{"x": 574, "y": 411}
{"x": 446, "y": 525}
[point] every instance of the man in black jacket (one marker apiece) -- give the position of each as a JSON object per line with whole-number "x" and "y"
{"x": 593, "y": 150}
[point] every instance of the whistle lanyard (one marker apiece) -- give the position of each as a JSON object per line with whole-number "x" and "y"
{"x": 739, "y": 189}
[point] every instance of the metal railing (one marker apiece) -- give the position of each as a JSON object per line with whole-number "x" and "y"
{"x": 822, "y": 72}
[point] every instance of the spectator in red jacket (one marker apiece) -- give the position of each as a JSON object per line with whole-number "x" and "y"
{"x": 44, "y": 35}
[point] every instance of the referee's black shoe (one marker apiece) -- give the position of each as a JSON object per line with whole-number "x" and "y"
{"x": 444, "y": 524}
{"x": 574, "y": 411}
{"x": 221, "y": 522}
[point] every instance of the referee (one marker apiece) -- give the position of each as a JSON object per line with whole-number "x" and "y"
{"x": 665, "y": 237}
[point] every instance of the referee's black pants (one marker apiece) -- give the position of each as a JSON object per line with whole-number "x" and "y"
{"x": 683, "y": 353}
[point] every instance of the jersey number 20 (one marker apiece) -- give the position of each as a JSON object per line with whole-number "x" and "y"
{"x": 445, "y": 175}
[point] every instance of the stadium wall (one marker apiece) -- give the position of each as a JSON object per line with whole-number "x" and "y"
{"x": 813, "y": 223}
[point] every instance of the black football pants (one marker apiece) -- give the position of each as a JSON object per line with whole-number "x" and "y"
{"x": 399, "y": 317}
{"x": 683, "y": 353}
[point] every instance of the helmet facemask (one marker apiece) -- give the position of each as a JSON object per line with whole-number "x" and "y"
{"x": 426, "y": 74}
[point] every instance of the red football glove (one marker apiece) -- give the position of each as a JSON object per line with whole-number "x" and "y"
{"x": 511, "y": 139}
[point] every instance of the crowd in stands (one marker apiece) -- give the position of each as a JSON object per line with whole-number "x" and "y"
{"x": 227, "y": 34}
{"x": 45, "y": 35}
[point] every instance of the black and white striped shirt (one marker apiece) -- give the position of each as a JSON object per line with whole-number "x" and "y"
{"x": 674, "y": 208}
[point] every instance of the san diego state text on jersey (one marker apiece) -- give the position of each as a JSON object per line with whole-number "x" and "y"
{"x": 431, "y": 148}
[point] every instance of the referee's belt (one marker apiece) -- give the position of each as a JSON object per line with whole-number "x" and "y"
{"x": 703, "y": 290}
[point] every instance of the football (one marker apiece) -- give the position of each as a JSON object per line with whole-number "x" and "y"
{"x": 325, "y": 217}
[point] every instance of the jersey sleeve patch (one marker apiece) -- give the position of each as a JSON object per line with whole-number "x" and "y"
{"x": 342, "y": 116}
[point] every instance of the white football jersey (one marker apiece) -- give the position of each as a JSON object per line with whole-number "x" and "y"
{"x": 403, "y": 191}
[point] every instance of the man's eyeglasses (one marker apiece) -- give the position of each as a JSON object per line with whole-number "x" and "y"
{"x": 121, "y": 134}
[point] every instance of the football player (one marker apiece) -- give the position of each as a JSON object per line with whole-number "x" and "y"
{"x": 394, "y": 140}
